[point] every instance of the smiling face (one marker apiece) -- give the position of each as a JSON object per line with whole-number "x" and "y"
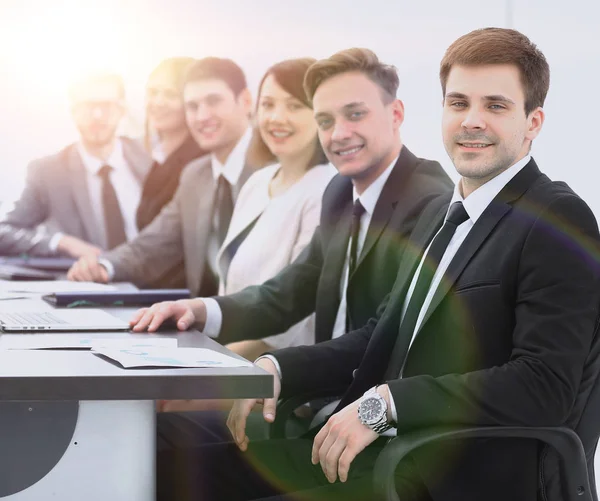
{"x": 358, "y": 127}
{"x": 164, "y": 103}
{"x": 484, "y": 124}
{"x": 217, "y": 118}
{"x": 286, "y": 124}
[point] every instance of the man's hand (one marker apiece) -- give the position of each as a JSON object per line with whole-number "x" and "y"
{"x": 236, "y": 422}
{"x": 88, "y": 269}
{"x": 342, "y": 439}
{"x": 185, "y": 312}
{"x": 76, "y": 247}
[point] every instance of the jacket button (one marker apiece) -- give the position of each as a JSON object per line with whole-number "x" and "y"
{"x": 354, "y": 373}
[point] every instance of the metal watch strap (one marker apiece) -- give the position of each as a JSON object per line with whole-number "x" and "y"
{"x": 382, "y": 425}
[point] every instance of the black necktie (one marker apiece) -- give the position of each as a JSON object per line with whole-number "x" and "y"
{"x": 224, "y": 207}
{"x": 456, "y": 216}
{"x": 357, "y": 211}
{"x": 113, "y": 218}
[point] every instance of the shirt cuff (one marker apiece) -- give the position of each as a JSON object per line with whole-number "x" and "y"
{"x": 53, "y": 244}
{"x": 275, "y": 363}
{"x": 214, "y": 318}
{"x": 110, "y": 269}
{"x": 393, "y": 407}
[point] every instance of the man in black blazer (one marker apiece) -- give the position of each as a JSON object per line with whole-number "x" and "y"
{"x": 353, "y": 94}
{"x": 490, "y": 320}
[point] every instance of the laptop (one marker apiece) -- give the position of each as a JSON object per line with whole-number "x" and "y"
{"x": 80, "y": 320}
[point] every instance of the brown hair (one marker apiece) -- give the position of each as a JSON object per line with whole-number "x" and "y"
{"x": 176, "y": 68}
{"x": 356, "y": 59}
{"x": 219, "y": 69}
{"x": 501, "y": 46}
{"x": 289, "y": 75}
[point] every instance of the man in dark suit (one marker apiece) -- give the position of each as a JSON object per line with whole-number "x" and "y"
{"x": 489, "y": 322}
{"x": 84, "y": 198}
{"x": 191, "y": 227}
{"x": 351, "y": 262}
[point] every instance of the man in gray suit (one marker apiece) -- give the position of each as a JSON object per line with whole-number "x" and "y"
{"x": 83, "y": 198}
{"x": 191, "y": 227}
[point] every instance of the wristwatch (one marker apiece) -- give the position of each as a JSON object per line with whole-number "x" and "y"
{"x": 372, "y": 411}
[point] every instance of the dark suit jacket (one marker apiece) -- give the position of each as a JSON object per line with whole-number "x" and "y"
{"x": 162, "y": 181}
{"x": 56, "y": 199}
{"x": 312, "y": 282}
{"x": 503, "y": 343}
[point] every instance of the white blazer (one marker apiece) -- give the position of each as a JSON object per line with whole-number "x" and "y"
{"x": 282, "y": 227}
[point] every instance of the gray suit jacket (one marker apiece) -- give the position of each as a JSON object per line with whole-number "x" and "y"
{"x": 56, "y": 199}
{"x": 178, "y": 235}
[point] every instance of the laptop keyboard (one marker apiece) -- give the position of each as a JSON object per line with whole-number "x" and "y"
{"x": 30, "y": 319}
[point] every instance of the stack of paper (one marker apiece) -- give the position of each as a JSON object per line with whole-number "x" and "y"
{"x": 171, "y": 357}
{"x": 72, "y": 341}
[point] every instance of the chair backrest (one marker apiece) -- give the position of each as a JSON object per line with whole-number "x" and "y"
{"x": 584, "y": 420}
{"x": 587, "y": 407}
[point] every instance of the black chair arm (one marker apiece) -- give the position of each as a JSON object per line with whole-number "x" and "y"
{"x": 285, "y": 407}
{"x": 564, "y": 440}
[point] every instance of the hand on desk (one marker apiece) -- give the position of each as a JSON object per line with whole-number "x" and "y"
{"x": 236, "y": 422}
{"x": 88, "y": 269}
{"x": 76, "y": 247}
{"x": 184, "y": 312}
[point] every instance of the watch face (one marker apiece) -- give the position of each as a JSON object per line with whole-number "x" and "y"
{"x": 371, "y": 410}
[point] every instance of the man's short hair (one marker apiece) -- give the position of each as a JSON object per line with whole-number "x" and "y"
{"x": 501, "y": 46}
{"x": 97, "y": 78}
{"x": 219, "y": 69}
{"x": 353, "y": 60}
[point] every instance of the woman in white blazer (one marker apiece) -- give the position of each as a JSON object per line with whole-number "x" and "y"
{"x": 279, "y": 207}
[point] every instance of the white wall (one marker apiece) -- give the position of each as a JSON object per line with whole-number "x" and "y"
{"x": 45, "y": 42}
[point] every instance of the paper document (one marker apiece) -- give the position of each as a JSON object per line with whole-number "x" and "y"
{"x": 50, "y": 286}
{"x": 72, "y": 341}
{"x": 171, "y": 357}
{"x": 8, "y": 296}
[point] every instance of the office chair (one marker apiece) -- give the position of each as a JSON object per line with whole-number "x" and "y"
{"x": 568, "y": 455}
{"x": 567, "y": 458}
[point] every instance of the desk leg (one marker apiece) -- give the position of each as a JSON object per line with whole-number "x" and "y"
{"x": 111, "y": 456}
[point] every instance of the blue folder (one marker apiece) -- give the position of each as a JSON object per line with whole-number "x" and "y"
{"x": 144, "y": 297}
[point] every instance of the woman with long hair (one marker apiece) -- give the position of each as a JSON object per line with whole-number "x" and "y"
{"x": 167, "y": 137}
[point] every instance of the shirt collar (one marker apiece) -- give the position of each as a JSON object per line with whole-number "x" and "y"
{"x": 479, "y": 200}
{"x": 233, "y": 166}
{"x": 93, "y": 164}
{"x": 369, "y": 197}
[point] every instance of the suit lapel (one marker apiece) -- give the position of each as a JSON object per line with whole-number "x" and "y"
{"x": 81, "y": 196}
{"x": 137, "y": 159}
{"x": 338, "y": 247}
{"x": 389, "y": 198}
{"x": 492, "y": 215}
{"x": 200, "y": 218}
{"x": 247, "y": 171}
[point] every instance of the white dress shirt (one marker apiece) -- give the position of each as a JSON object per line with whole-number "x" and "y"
{"x": 214, "y": 315}
{"x": 127, "y": 188}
